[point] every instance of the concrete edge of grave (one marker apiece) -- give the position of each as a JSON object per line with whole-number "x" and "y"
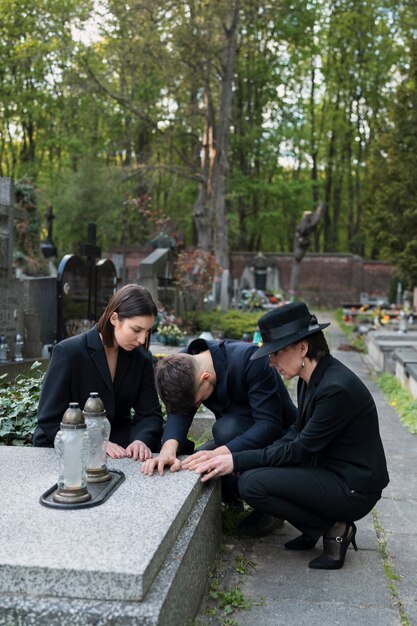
{"x": 173, "y": 598}
{"x": 201, "y": 425}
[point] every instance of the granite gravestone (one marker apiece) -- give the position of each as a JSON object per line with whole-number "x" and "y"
{"x": 106, "y": 278}
{"x": 11, "y": 290}
{"x": 6, "y": 226}
{"x": 73, "y": 297}
{"x": 156, "y": 273}
{"x": 81, "y": 300}
{"x": 262, "y": 274}
{"x": 84, "y": 288}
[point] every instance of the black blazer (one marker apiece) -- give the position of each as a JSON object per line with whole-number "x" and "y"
{"x": 78, "y": 366}
{"x": 336, "y": 429}
{"x": 244, "y": 388}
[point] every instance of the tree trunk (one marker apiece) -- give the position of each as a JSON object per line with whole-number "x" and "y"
{"x": 202, "y": 212}
{"x": 221, "y": 162}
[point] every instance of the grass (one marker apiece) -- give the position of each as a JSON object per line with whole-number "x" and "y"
{"x": 356, "y": 341}
{"x": 225, "y": 599}
{"x": 392, "y": 578}
{"x": 400, "y": 399}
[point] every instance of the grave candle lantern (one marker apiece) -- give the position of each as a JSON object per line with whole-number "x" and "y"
{"x": 402, "y": 327}
{"x": 18, "y": 345}
{"x": 70, "y": 446}
{"x": 4, "y": 349}
{"x": 98, "y": 433}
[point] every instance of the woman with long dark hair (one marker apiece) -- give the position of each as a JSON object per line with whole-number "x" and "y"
{"x": 112, "y": 358}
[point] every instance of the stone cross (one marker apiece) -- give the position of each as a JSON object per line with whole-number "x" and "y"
{"x": 47, "y": 246}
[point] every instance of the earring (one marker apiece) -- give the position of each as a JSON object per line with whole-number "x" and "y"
{"x": 302, "y": 364}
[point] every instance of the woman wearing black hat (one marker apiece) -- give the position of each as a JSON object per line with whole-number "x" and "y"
{"x": 330, "y": 468}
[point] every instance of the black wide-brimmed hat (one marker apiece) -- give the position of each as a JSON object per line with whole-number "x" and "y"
{"x": 285, "y": 325}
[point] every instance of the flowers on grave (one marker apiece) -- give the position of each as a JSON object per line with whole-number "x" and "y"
{"x": 256, "y": 299}
{"x": 168, "y": 330}
{"x": 171, "y": 335}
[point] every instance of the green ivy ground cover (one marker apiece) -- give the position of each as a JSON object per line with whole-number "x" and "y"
{"x": 18, "y": 406}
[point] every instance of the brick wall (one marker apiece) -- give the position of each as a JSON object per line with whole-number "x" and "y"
{"x": 325, "y": 279}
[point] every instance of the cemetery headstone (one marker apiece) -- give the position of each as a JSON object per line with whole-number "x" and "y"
{"x": 262, "y": 274}
{"x": 156, "y": 274}
{"x": 83, "y": 288}
{"x": 260, "y": 267}
{"x": 106, "y": 279}
{"x": 92, "y": 251}
{"x": 224, "y": 290}
{"x": 6, "y": 226}
{"x": 11, "y": 290}
{"x": 73, "y": 297}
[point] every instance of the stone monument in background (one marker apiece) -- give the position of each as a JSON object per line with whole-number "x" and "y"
{"x": 11, "y": 290}
{"x": 83, "y": 288}
{"x": 261, "y": 274}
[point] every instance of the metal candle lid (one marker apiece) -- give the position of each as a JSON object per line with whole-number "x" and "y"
{"x": 73, "y": 417}
{"x": 94, "y": 406}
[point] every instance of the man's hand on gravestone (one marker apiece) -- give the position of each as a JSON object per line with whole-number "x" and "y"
{"x": 159, "y": 462}
{"x": 114, "y": 451}
{"x": 138, "y": 450}
{"x": 166, "y": 458}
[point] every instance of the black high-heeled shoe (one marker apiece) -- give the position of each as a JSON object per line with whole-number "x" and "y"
{"x": 302, "y": 542}
{"x": 335, "y": 548}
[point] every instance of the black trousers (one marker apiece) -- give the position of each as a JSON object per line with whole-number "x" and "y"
{"x": 311, "y": 499}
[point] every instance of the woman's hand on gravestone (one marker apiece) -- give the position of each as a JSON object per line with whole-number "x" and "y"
{"x": 196, "y": 459}
{"x": 215, "y": 467}
{"x": 138, "y": 450}
{"x": 114, "y": 451}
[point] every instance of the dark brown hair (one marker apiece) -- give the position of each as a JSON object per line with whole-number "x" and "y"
{"x": 129, "y": 301}
{"x": 176, "y": 382}
{"x": 317, "y": 346}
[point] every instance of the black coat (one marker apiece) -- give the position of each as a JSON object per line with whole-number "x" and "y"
{"x": 336, "y": 429}
{"x": 79, "y": 366}
{"x": 244, "y": 388}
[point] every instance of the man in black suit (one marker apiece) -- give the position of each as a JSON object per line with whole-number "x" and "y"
{"x": 250, "y": 402}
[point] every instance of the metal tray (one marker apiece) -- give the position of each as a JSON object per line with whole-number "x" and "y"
{"x": 100, "y": 492}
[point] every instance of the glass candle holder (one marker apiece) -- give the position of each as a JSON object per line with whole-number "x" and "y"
{"x": 18, "y": 346}
{"x": 98, "y": 433}
{"x": 70, "y": 446}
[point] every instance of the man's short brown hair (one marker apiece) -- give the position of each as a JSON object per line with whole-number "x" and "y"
{"x": 176, "y": 382}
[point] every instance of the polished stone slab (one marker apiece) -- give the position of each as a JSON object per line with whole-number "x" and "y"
{"x": 172, "y": 599}
{"x": 110, "y": 552}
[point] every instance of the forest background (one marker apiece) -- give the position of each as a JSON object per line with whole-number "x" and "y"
{"x": 225, "y": 118}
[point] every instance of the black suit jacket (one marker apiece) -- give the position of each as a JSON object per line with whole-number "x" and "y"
{"x": 244, "y": 388}
{"x": 336, "y": 428}
{"x": 78, "y": 366}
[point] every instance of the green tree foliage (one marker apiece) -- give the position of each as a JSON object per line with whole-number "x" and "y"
{"x": 229, "y": 118}
{"x": 391, "y": 201}
{"x": 35, "y": 45}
